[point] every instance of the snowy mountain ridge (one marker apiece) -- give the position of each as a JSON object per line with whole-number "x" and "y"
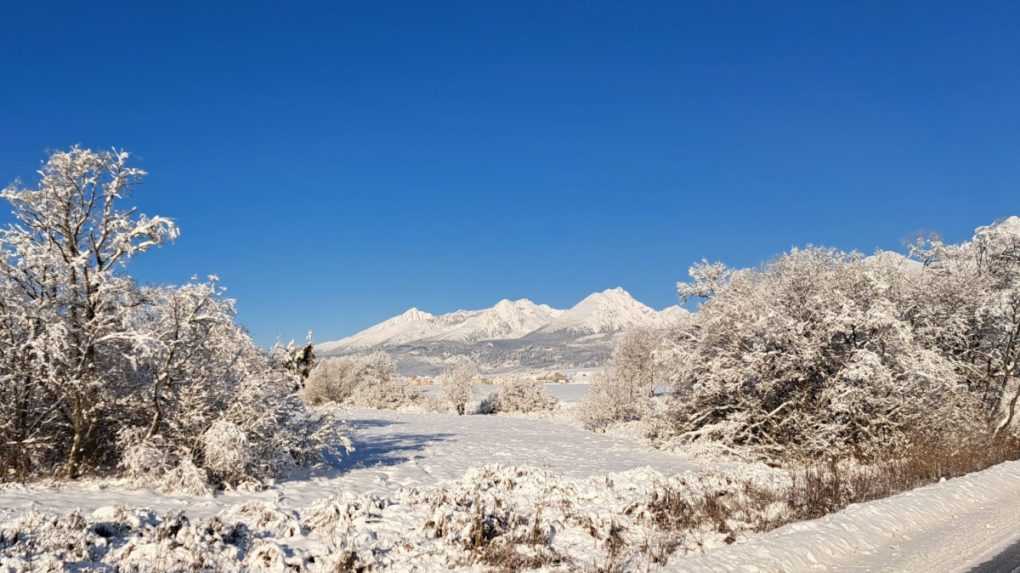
{"x": 607, "y": 312}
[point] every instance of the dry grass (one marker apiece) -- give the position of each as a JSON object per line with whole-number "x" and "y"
{"x": 816, "y": 491}
{"x": 829, "y": 487}
{"x": 491, "y": 543}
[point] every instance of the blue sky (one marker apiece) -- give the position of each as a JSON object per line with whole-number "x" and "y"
{"x": 337, "y": 163}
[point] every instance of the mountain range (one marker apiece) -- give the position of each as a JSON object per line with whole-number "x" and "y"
{"x": 608, "y": 312}
{"x": 512, "y": 334}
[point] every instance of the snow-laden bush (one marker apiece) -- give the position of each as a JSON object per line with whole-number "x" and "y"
{"x": 369, "y": 381}
{"x": 624, "y": 392}
{"x": 455, "y": 384}
{"x": 332, "y": 380}
{"x": 282, "y": 433}
{"x": 493, "y": 517}
{"x": 185, "y": 478}
{"x": 519, "y": 395}
{"x": 247, "y": 538}
{"x": 815, "y": 355}
{"x": 98, "y": 372}
{"x": 225, "y": 451}
{"x": 144, "y": 460}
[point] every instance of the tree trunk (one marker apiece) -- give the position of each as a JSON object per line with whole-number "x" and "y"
{"x": 1005, "y": 424}
{"x": 73, "y": 464}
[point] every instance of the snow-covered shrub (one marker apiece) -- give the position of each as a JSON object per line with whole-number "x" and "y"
{"x": 455, "y": 384}
{"x": 434, "y": 402}
{"x": 247, "y": 538}
{"x": 369, "y": 381}
{"x": 332, "y": 380}
{"x": 225, "y": 451}
{"x": 609, "y": 402}
{"x": 186, "y": 478}
{"x": 298, "y": 360}
{"x": 492, "y": 517}
{"x": 143, "y": 459}
{"x": 520, "y": 395}
{"x": 282, "y": 433}
{"x": 265, "y": 517}
{"x": 381, "y": 387}
{"x": 812, "y": 355}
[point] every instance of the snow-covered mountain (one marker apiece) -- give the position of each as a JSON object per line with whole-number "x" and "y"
{"x": 673, "y": 314}
{"x": 508, "y": 319}
{"x": 607, "y": 312}
{"x": 412, "y": 324}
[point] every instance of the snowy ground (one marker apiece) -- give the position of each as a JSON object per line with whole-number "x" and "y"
{"x": 414, "y": 459}
{"x": 395, "y": 449}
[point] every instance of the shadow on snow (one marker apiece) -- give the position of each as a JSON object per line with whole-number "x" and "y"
{"x": 376, "y": 450}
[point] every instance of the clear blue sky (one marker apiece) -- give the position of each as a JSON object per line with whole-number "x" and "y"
{"x": 336, "y": 163}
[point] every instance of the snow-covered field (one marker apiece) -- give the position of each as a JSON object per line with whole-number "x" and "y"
{"x": 393, "y": 450}
{"x": 414, "y": 472}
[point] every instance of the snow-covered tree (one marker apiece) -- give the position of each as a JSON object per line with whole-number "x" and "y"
{"x": 633, "y": 363}
{"x": 706, "y": 279}
{"x": 97, "y": 372}
{"x": 61, "y": 259}
{"x": 194, "y": 353}
{"x": 967, "y": 304}
{"x": 299, "y": 360}
{"x": 623, "y": 392}
{"x": 814, "y": 353}
{"x": 455, "y": 384}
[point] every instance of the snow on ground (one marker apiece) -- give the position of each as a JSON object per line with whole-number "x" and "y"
{"x": 393, "y": 449}
{"x": 410, "y": 495}
{"x": 410, "y": 470}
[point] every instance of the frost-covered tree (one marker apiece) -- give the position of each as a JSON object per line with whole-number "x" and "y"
{"x": 455, "y": 384}
{"x": 814, "y": 353}
{"x": 967, "y": 304}
{"x": 60, "y": 260}
{"x": 706, "y": 279}
{"x": 623, "y": 392}
{"x": 633, "y": 362}
{"x": 193, "y": 352}
{"x": 98, "y": 372}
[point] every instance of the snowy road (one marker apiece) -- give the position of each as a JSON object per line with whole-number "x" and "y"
{"x": 955, "y": 526}
{"x": 1007, "y": 561}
